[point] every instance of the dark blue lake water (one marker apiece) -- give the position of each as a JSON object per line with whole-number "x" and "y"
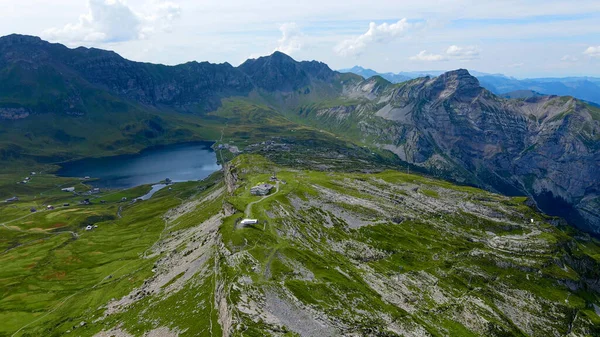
{"x": 180, "y": 162}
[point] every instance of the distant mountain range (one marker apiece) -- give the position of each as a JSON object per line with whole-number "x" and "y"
{"x": 58, "y": 103}
{"x": 585, "y": 88}
{"x": 368, "y": 73}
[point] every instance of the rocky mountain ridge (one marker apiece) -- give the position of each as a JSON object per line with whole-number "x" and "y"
{"x": 546, "y": 147}
{"x": 450, "y": 122}
{"x": 585, "y": 88}
{"x": 183, "y": 85}
{"x": 193, "y": 86}
{"x": 367, "y": 73}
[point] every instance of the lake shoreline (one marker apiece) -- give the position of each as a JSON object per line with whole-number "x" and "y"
{"x": 133, "y": 154}
{"x": 179, "y": 162}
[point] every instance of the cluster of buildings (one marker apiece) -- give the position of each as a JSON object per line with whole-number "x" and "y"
{"x": 232, "y": 148}
{"x": 26, "y": 179}
{"x": 68, "y": 190}
{"x": 269, "y": 145}
{"x": 94, "y": 190}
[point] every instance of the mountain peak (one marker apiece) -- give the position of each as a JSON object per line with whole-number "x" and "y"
{"x": 280, "y": 55}
{"x": 14, "y": 39}
{"x": 459, "y": 82}
{"x": 359, "y": 69}
{"x": 280, "y": 72}
{"x": 276, "y": 57}
{"x": 458, "y": 74}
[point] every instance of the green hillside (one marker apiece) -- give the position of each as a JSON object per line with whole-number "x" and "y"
{"x": 384, "y": 254}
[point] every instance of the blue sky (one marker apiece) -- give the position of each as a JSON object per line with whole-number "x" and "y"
{"x": 519, "y": 38}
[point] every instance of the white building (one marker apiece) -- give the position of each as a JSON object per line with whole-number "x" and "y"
{"x": 261, "y": 189}
{"x": 246, "y": 222}
{"x": 68, "y": 189}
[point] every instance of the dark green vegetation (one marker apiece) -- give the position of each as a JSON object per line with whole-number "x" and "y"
{"x": 383, "y": 254}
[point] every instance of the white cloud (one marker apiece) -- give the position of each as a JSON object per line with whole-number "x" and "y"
{"x": 229, "y": 30}
{"x": 569, "y": 58}
{"x": 290, "y": 41}
{"x": 429, "y": 57}
{"x": 382, "y": 33}
{"x": 115, "y": 21}
{"x": 161, "y": 16}
{"x": 592, "y": 51}
{"x": 453, "y": 52}
{"x": 463, "y": 53}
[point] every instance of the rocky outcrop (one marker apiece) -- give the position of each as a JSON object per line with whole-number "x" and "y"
{"x": 230, "y": 177}
{"x": 544, "y": 146}
{"x": 13, "y": 113}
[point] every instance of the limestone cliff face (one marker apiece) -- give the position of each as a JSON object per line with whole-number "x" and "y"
{"x": 563, "y": 158}
{"x": 545, "y": 146}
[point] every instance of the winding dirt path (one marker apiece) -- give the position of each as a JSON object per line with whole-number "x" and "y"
{"x": 248, "y": 210}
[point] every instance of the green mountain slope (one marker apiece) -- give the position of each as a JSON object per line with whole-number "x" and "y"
{"x": 59, "y": 104}
{"x": 385, "y": 254}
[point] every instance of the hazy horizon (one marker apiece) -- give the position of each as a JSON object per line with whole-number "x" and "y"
{"x": 522, "y": 39}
